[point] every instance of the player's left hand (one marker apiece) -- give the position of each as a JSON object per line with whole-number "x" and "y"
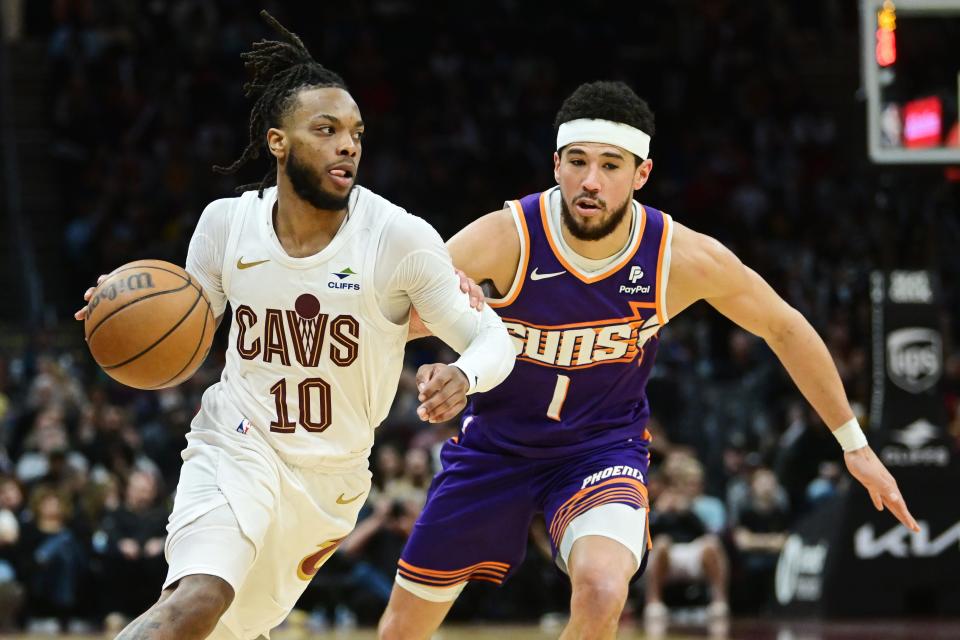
{"x": 472, "y": 289}
{"x": 443, "y": 392}
{"x": 866, "y": 467}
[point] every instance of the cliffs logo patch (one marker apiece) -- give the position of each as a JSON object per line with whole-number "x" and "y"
{"x": 914, "y": 358}
{"x": 309, "y": 566}
{"x": 339, "y": 282}
{"x": 346, "y": 273}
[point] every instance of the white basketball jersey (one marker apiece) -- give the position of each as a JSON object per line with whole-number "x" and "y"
{"x": 312, "y": 365}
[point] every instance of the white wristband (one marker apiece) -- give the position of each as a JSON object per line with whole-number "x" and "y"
{"x": 471, "y": 377}
{"x": 850, "y": 436}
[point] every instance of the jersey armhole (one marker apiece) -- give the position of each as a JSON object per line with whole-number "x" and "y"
{"x": 370, "y": 280}
{"x": 233, "y": 241}
{"x": 663, "y": 269}
{"x": 521, "y": 223}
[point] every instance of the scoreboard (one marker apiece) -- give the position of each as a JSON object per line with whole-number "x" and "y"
{"x": 910, "y": 63}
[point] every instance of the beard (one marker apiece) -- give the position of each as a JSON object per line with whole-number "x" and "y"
{"x": 601, "y": 229}
{"x": 307, "y": 183}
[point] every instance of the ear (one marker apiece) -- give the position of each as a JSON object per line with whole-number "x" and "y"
{"x": 642, "y": 174}
{"x": 277, "y": 143}
{"x": 556, "y": 167}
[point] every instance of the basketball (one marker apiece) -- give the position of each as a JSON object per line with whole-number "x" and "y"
{"x": 149, "y": 325}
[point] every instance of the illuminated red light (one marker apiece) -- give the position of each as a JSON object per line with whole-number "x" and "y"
{"x": 923, "y": 123}
{"x": 886, "y": 47}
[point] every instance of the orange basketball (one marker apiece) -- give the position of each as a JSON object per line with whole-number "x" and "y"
{"x": 149, "y": 325}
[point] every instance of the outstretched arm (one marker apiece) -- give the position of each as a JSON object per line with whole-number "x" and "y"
{"x": 486, "y": 251}
{"x": 702, "y": 268}
{"x": 425, "y": 275}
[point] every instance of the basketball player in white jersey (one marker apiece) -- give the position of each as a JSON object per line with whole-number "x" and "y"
{"x": 321, "y": 276}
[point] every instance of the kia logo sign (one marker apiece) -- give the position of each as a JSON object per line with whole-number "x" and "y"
{"x": 900, "y": 543}
{"x": 914, "y": 357}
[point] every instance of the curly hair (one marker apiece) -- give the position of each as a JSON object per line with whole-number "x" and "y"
{"x": 281, "y": 69}
{"x": 606, "y": 100}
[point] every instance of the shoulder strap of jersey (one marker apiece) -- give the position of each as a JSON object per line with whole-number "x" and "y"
{"x": 378, "y": 213}
{"x": 238, "y": 217}
{"x": 521, "y": 211}
{"x": 655, "y": 245}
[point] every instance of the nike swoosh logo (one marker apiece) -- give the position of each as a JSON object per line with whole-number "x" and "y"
{"x": 246, "y": 265}
{"x": 340, "y": 499}
{"x": 309, "y": 566}
{"x": 543, "y": 276}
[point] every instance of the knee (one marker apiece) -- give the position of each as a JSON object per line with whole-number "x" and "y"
{"x": 199, "y": 600}
{"x": 388, "y": 629}
{"x": 713, "y": 548}
{"x": 599, "y": 594}
{"x": 391, "y": 627}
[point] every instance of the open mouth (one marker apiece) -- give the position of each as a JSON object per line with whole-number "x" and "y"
{"x": 586, "y": 207}
{"x": 342, "y": 176}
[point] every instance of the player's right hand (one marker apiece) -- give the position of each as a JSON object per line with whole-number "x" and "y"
{"x": 866, "y": 467}
{"x": 443, "y": 392}
{"x": 81, "y": 314}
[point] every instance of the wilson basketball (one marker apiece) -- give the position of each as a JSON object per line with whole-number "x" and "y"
{"x": 149, "y": 325}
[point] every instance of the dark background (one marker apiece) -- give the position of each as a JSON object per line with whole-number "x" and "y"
{"x": 114, "y": 112}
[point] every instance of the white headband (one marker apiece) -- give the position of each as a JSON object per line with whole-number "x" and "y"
{"x": 605, "y": 131}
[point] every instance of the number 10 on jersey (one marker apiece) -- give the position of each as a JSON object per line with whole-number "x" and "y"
{"x": 308, "y": 390}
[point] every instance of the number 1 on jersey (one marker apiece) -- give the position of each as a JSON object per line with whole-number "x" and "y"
{"x": 559, "y": 395}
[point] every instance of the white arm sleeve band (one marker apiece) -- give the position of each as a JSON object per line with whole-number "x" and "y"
{"x": 424, "y": 276}
{"x": 206, "y": 251}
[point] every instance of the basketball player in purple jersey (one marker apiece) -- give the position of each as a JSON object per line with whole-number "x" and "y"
{"x": 588, "y": 276}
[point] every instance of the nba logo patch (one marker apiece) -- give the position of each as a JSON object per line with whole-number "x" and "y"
{"x": 244, "y": 426}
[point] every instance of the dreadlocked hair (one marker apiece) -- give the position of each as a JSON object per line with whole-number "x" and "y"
{"x": 281, "y": 69}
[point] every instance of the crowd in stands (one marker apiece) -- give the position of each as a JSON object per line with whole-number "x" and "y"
{"x": 146, "y": 96}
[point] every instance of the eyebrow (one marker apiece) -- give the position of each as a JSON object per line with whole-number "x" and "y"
{"x": 609, "y": 154}
{"x": 335, "y": 120}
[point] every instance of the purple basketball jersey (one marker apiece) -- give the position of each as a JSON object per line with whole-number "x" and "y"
{"x": 585, "y": 343}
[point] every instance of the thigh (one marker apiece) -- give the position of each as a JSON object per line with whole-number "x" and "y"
{"x": 314, "y": 512}
{"x": 601, "y": 493}
{"x": 475, "y": 522}
{"x": 218, "y": 471}
{"x": 212, "y": 544}
{"x": 611, "y": 530}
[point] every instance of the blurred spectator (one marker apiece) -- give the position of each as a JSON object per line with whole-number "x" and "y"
{"x": 760, "y": 533}
{"x": 684, "y": 548}
{"x": 53, "y": 562}
{"x": 48, "y": 456}
{"x": 685, "y": 472}
{"x": 11, "y": 591}
{"x": 826, "y": 484}
{"x": 805, "y": 444}
{"x": 130, "y": 540}
{"x": 11, "y": 19}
